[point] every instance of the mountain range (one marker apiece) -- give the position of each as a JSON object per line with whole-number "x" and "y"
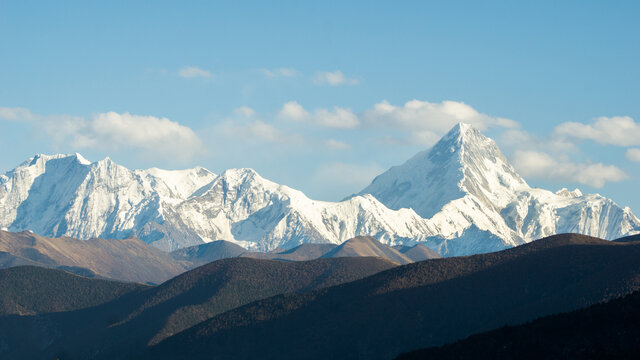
{"x": 460, "y": 197}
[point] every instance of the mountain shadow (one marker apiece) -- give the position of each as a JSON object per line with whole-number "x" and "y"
{"x": 603, "y": 331}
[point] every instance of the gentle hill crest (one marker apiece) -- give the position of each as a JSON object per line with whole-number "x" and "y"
{"x": 367, "y": 246}
{"x": 126, "y": 259}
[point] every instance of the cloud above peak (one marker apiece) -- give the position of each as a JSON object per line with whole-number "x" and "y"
{"x": 149, "y": 136}
{"x": 421, "y": 122}
{"x": 429, "y": 116}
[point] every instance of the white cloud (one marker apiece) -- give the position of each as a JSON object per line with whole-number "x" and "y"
{"x": 633, "y": 154}
{"x": 542, "y": 165}
{"x": 617, "y": 130}
{"x": 421, "y": 122}
{"x": 293, "y": 111}
{"x": 336, "y": 145}
{"x": 338, "y": 117}
{"x": 280, "y": 72}
{"x": 114, "y": 130}
{"x": 190, "y": 72}
{"x": 424, "y": 116}
{"x": 150, "y": 135}
{"x": 244, "y": 111}
{"x": 354, "y": 175}
{"x": 333, "y": 78}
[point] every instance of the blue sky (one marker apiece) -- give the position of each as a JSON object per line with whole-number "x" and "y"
{"x": 320, "y": 96}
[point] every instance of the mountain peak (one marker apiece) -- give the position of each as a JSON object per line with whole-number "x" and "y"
{"x": 464, "y": 135}
{"x": 464, "y": 162}
{"x": 81, "y": 159}
{"x": 460, "y": 129}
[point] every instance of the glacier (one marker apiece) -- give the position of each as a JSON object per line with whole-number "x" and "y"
{"x": 460, "y": 197}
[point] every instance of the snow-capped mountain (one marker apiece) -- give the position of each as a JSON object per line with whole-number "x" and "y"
{"x": 465, "y": 181}
{"x": 460, "y": 197}
{"x": 68, "y": 195}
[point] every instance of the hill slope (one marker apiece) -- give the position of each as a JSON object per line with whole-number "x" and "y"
{"x": 29, "y": 290}
{"x": 124, "y": 327}
{"x": 603, "y": 331}
{"x": 367, "y": 246}
{"x": 418, "y": 305}
{"x": 206, "y": 253}
{"x": 126, "y": 260}
{"x": 419, "y": 252}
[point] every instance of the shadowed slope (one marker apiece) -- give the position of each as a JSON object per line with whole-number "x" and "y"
{"x": 206, "y": 253}
{"x": 418, "y": 305}
{"x": 304, "y": 252}
{"x": 419, "y": 252}
{"x": 629, "y": 238}
{"x": 123, "y": 328}
{"x": 28, "y": 290}
{"x": 223, "y": 285}
{"x": 603, "y": 331}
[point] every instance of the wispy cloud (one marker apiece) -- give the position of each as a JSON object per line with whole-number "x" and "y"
{"x": 280, "y": 72}
{"x": 256, "y": 130}
{"x": 336, "y": 144}
{"x": 333, "y": 78}
{"x": 190, "y": 72}
{"x": 16, "y": 114}
{"x": 244, "y": 111}
{"x": 337, "y": 117}
{"x": 356, "y": 176}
